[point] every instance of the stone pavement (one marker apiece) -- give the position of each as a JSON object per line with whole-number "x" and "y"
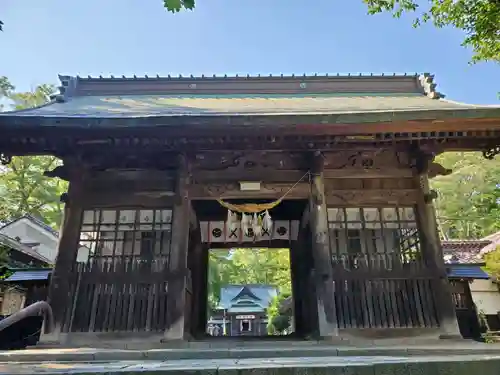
{"x": 354, "y": 365}
{"x": 231, "y": 350}
{"x": 263, "y": 358}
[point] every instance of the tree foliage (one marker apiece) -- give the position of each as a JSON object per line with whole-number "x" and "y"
{"x": 4, "y": 255}
{"x": 23, "y": 187}
{"x": 278, "y": 322}
{"x": 6, "y": 89}
{"x": 175, "y": 6}
{"x": 493, "y": 263}
{"x": 248, "y": 266}
{"x": 30, "y": 99}
{"x": 479, "y": 19}
{"x": 467, "y": 205}
{"x": 26, "y": 190}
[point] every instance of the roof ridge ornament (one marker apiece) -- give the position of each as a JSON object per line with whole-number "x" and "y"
{"x": 67, "y": 88}
{"x": 429, "y": 87}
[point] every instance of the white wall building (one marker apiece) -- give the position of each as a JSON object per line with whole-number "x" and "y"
{"x": 40, "y": 237}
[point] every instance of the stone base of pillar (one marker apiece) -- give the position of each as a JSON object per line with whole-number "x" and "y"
{"x": 448, "y": 317}
{"x": 325, "y": 328}
{"x": 54, "y": 338}
{"x": 175, "y": 331}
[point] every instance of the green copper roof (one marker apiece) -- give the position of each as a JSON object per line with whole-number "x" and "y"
{"x": 131, "y": 106}
{"x": 243, "y": 101}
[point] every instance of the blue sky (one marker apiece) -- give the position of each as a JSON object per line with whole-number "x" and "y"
{"x": 44, "y": 38}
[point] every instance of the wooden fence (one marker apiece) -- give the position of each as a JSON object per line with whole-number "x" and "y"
{"x": 376, "y": 291}
{"x": 118, "y": 294}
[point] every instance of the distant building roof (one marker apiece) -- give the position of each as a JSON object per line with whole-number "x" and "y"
{"x": 494, "y": 239}
{"x": 466, "y": 271}
{"x": 15, "y": 245}
{"x": 36, "y": 221}
{"x": 463, "y": 251}
{"x": 465, "y": 244}
{"x": 29, "y": 275}
{"x": 251, "y": 297}
{"x": 469, "y": 251}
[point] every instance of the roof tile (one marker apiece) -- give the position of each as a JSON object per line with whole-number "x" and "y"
{"x": 466, "y": 271}
{"x": 133, "y": 106}
{"x": 29, "y": 275}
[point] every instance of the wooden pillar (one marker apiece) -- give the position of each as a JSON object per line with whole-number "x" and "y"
{"x": 297, "y": 283}
{"x": 327, "y": 317}
{"x": 203, "y": 293}
{"x": 433, "y": 255}
{"x": 178, "y": 259}
{"x": 197, "y": 265}
{"x": 60, "y": 293}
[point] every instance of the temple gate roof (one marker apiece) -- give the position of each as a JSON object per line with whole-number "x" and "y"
{"x": 342, "y": 99}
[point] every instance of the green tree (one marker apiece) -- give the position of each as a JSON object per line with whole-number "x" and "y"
{"x": 493, "y": 263}
{"x": 175, "y": 6}
{"x": 24, "y": 188}
{"x": 39, "y": 96}
{"x": 277, "y": 321}
{"x": 467, "y": 205}
{"x": 262, "y": 266}
{"x": 5, "y": 89}
{"x": 220, "y": 273}
{"x": 479, "y": 19}
{"x": 27, "y": 191}
{"x": 248, "y": 266}
{"x": 4, "y": 255}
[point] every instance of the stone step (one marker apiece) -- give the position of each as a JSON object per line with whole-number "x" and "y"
{"x": 230, "y": 352}
{"x": 353, "y": 365}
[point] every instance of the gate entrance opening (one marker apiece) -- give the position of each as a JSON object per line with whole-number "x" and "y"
{"x": 248, "y": 292}
{"x": 220, "y": 313}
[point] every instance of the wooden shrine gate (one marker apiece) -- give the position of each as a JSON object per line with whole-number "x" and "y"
{"x": 380, "y": 278}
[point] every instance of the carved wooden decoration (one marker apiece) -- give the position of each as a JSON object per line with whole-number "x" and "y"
{"x": 358, "y": 198}
{"x": 252, "y": 166}
{"x": 120, "y": 160}
{"x": 367, "y": 159}
{"x": 367, "y": 163}
{"x": 245, "y": 161}
{"x": 369, "y": 184}
{"x": 133, "y": 181}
